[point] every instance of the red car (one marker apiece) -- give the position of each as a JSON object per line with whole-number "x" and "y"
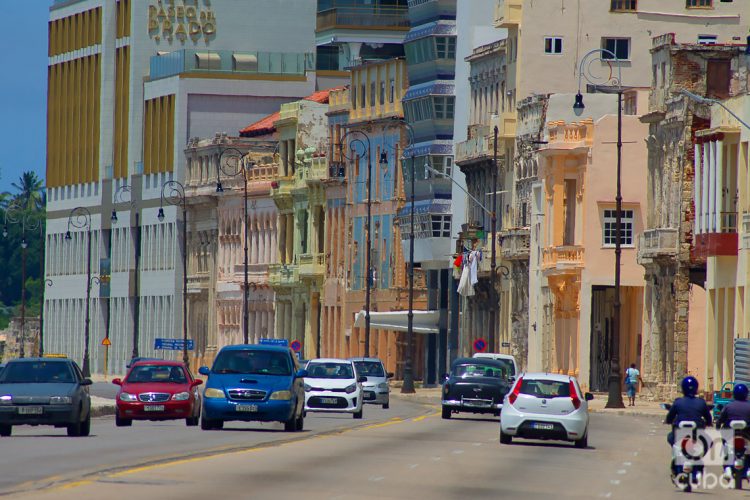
{"x": 158, "y": 390}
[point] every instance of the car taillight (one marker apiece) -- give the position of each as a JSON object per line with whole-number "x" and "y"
{"x": 574, "y": 395}
{"x": 516, "y": 391}
{"x": 739, "y": 443}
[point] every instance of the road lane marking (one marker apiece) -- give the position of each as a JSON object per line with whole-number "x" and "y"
{"x": 478, "y": 444}
{"x": 75, "y": 484}
{"x": 615, "y": 482}
{"x": 622, "y": 471}
{"x": 376, "y": 478}
{"x": 413, "y": 466}
{"x": 422, "y": 417}
{"x": 394, "y": 420}
{"x": 457, "y": 452}
{"x": 627, "y": 464}
{"x": 435, "y": 459}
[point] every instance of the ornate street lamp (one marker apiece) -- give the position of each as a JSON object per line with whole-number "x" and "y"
{"x": 80, "y": 218}
{"x": 173, "y": 192}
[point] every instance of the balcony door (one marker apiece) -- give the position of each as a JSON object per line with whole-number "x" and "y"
{"x": 569, "y": 236}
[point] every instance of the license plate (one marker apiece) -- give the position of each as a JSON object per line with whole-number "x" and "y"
{"x": 480, "y": 404}
{"x": 329, "y": 401}
{"x": 247, "y": 408}
{"x": 544, "y": 427}
{"x": 153, "y": 408}
{"x": 30, "y": 410}
{"x": 369, "y": 395}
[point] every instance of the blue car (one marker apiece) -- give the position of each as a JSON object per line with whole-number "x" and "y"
{"x": 254, "y": 383}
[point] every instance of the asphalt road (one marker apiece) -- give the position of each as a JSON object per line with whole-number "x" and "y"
{"x": 414, "y": 455}
{"x": 35, "y": 457}
{"x": 104, "y": 390}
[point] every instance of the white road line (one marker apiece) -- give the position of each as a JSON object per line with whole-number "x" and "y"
{"x": 635, "y": 453}
{"x": 376, "y": 478}
{"x": 627, "y": 464}
{"x": 622, "y": 471}
{"x": 615, "y": 482}
{"x": 606, "y": 495}
{"x": 457, "y": 452}
{"x": 479, "y": 444}
{"x": 435, "y": 459}
{"x": 413, "y": 466}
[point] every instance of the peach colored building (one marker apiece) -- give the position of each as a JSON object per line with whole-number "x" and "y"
{"x": 573, "y": 276}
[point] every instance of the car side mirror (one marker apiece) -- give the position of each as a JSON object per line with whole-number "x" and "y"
{"x": 362, "y": 379}
{"x": 588, "y": 396}
{"x": 302, "y": 373}
{"x": 445, "y": 376}
{"x": 86, "y": 381}
{"x": 117, "y": 381}
{"x": 390, "y": 375}
{"x": 196, "y": 382}
{"x": 203, "y": 370}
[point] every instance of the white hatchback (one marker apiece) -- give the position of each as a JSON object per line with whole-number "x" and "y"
{"x": 333, "y": 385}
{"x": 546, "y": 406}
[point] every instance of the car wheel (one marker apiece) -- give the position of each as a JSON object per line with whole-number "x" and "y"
{"x": 358, "y": 414}
{"x": 6, "y": 430}
{"x": 211, "y": 425}
{"x": 74, "y": 430}
{"x": 192, "y": 421}
{"x": 291, "y": 424}
{"x": 446, "y": 413}
{"x": 122, "y": 422}
{"x": 583, "y": 442}
{"x": 386, "y": 406}
{"x": 301, "y": 422}
{"x": 505, "y": 438}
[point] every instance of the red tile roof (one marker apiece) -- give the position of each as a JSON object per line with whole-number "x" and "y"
{"x": 265, "y": 125}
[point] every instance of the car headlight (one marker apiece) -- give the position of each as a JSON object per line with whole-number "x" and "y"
{"x": 281, "y": 396}
{"x": 6, "y": 399}
{"x": 213, "y": 393}
{"x": 382, "y": 385}
{"x": 124, "y": 396}
{"x": 60, "y": 400}
{"x": 351, "y": 388}
{"x": 181, "y": 396}
{"x": 308, "y": 388}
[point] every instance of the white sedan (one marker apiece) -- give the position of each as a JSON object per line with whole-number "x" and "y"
{"x": 333, "y": 385}
{"x": 546, "y": 406}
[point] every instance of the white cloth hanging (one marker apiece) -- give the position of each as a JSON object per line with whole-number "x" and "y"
{"x": 465, "y": 287}
{"x": 474, "y": 257}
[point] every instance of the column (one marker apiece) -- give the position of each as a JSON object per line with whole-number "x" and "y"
{"x": 267, "y": 241}
{"x": 698, "y": 161}
{"x": 281, "y": 238}
{"x": 280, "y": 320}
{"x": 711, "y": 189}
{"x": 719, "y": 173}
{"x": 256, "y": 324}
{"x": 290, "y": 239}
{"x": 705, "y": 204}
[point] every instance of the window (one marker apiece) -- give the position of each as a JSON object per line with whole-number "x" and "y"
{"x": 446, "y": 47}
{"x": 354, "y": 96}
{"x": 441, "y": 226}
{"x": 619, "y": 46}
{"x": 391, "y": 96}
{"x": 382, "y": 92}
{"x": 706, "y": 39}
{"x": 372, "y": 93}
{"x": 444, "y": 107}
{"x": 626, "y": 227}
{"x": 553, "y": 45}
{"x": 362, "y": 97}
{"x": 692, "y": 4}
{"x": 718, "y": 78}
{"x": 623, "y": 5}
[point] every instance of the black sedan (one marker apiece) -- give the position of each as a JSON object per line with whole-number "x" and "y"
{"x": 44, "y": 391}
{"x": 476, "y": 385}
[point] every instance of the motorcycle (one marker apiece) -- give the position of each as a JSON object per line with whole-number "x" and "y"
{"x": 739, "y": 469}
{"x": 687, "y": 455}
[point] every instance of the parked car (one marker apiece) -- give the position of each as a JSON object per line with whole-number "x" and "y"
{"x": 332, "y": 385}
{"x": 546, "y": 406}
{"x": 157, "y": 390}
{"x": 2, "y": 365}
{"x": 497, "y": 356}
{"x": 375, "y": 388}
{"x": 254, "y": 383}
{"x": 475, "y": 385}
{"x": 44, "y": 391}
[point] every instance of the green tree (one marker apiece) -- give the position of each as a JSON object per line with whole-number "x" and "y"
{"x": 30, "y": 194}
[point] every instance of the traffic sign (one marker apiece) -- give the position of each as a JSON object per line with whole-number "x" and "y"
{"x": 480, "y": 345}
{"x": 281, "y": 342}
{"x": 173, "y": 344}
{"x": 106, "y": 342}
{"x": 296, "y": 345}
{"x": 506, "y": 344}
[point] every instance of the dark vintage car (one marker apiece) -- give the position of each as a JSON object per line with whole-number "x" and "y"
{"x": 476, "y": 385}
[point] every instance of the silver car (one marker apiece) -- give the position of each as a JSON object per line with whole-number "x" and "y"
{"x": 376, "y": 389}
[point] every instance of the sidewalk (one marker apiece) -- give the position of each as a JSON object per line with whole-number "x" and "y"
{"x": 101, "y": 407}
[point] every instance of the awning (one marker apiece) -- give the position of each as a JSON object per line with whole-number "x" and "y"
{"x": 397, "y": 321}
{"x": 440, "y": 87}
{"x": 426, "y": 207}
{"x": 434, "y": 28}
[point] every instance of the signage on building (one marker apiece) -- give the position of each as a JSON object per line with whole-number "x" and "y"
{"x": 281, "y": 342}
{"x": 181, "y": 19}
{"x": 105, "y": 270}
{"x": 506, "y": 344}
{"x": 173, "y": 344}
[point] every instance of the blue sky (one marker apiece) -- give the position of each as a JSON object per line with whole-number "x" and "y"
{"x": 23, "y": 89}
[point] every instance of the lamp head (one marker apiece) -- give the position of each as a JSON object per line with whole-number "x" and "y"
{"x": 114, "y": 217}
{"x": 383, "y": 157}
{"x": 5, "y": 231}
{"x": 219, "y": 187}
{"x": 160, "y": 215}
{"x": 747, "y": 47}
{"x": 578, "y": 104}
{"x": 23, "y": 243}
{"x": 67, "y": 235}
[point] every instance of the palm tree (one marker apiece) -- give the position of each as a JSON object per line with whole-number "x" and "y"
{"x": 31, "y": 194}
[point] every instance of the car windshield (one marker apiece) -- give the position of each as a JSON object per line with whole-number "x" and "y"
{"x": 545, "y": 388}
{"x": 503, "y": 371}
{"x": 330, "y": 370}
{"x": 43, "y": 372}
{"x": 257, "y": 362}
{"x": 157, "y": 373}
{"x": 370, "y": 368}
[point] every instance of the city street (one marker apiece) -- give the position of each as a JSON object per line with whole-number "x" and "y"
{"x": 405, "y": 452}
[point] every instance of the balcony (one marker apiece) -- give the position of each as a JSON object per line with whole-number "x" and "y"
{"x": 198, "y": 283}
{"x": 516, "y": 244}
{"x": 363, "y": 18}
{"x": 656, "y": 243}
{"x": 508, "y": 13}
{"x": 281, "y": 275}
{"x": 746, "y": 231}
{"x": 565, "y": 135}
{"x": 319, "y": 169}
{"x": 480, "y": 146}
{"x": 312, "y": 265}
{"x": 723, "y": 242}
{"x": 562, "y": 259}
{"x": 506, "y": 124}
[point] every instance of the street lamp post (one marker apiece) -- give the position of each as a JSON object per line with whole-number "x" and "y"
{"x": 493, "y": 259}
{"x": 232, "y": 158}
{"x": 614, "y": 398}
{"x": 363, "y": 143}
{"x": 15, "y": 214}
{"x": 46, "y": 282}
{"x": 80, "y": 217}
{"x": 173, "y": 192}
{"x": 137, "y": 255}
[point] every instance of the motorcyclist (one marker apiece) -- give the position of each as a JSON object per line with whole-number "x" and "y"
{"x": 689, "y": 408}
{"x": 739, "y": 409}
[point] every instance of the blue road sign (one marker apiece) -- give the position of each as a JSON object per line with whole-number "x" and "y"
{"x": 480, "y": 345}
{"x": 282, "y": 342}
{"x": 173, "y": 344}
{"x": 296, "y": 345}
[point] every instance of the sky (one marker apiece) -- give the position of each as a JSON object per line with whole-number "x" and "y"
{"x": 23, "y": 89}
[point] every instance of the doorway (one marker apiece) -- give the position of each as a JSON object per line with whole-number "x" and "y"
{"x": 602, "y": 316}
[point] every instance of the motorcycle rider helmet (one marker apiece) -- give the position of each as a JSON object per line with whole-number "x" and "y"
{"x": 740, "y": 392}
{"x": 690, "y": 386}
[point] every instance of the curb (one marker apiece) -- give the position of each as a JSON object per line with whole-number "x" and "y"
{"x": 636, "y": 413}
{"x": 102, "y": 411}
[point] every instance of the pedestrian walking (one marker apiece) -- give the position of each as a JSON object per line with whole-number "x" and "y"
{"x": 632, "y": 376}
